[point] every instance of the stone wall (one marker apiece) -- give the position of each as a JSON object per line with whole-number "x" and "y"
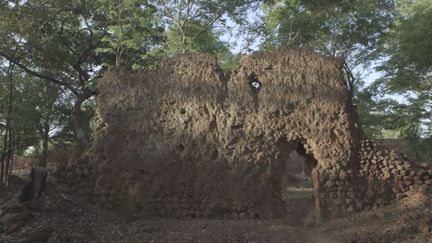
{"x": 185, "y": 141}
{"x": 80, "y": 176}
{"x": 390, "y": 175}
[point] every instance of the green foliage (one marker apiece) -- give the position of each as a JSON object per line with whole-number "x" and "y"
{"x": 66, "y": 43}
{"x": 64, "y": 129}
{"x": 334, "y": 27}
{"x": 207, "y": 41}
{"x": 54, "y": 40}
{"x": 133, "y": 29}
{"x": 408, "y": 68}
{"x": 32, "y": 101}
{"x": 195, "y": 26}
{"x": 65, "y": 46}
{"x": 208, "y": 13}
{"x": 407, "y": 72}
{"x": 349, "y": 29}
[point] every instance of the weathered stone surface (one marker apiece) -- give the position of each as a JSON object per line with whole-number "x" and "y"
{"x": 185, "y": 141}
{"x": 413, "y": 214}
{"x": 217, "y": 137}
{"x": 424, "y": 226}
{"x": 408, "y": 182}
{"x": 399, "y": 196}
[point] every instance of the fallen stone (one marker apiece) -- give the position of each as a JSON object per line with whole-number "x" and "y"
{"x": 400, "y": 167}
{"x": 330, "y": 184}
{"x": 12, "y": 227}
{"x": 405, "y": 216}
{"x": 424, "y": 165}
{"x": 399, "y": 196}
{"x": 413, "y": 215}
{"x": 424, "y": 226}
{"x": 408, "y": 182}
{"x": 418, "y": 182}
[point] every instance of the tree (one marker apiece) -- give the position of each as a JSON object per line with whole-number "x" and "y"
{"x": 8, "y": 147}
{"x": 190, "y": 20}
{"x": 407, "y": 70}
{"x": 47, "y": 107}
{"x": 180, "y": 41}
{"x": 21, "y": 99}
{"x": 56, "y": 40}
{"x": 349, "y": 29}
{"x": 409, "y": 51}
{"x": 54, "y": 47}
{"x": 207, "y": 42}
{"x": 134, "y": 30}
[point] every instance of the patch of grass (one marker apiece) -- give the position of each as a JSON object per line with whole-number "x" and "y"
{"x": 302, "y": 189}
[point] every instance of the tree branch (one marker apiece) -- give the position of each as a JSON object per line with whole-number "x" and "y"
{"x": 38, "y": 75}
{"x": 215, "y": 18}
{"x": 351, "y": 82}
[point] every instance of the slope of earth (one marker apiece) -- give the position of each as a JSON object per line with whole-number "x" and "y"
{"x": 60, "y": 216}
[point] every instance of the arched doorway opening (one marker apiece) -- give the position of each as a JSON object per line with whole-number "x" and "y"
{"x": 296, "y": 186}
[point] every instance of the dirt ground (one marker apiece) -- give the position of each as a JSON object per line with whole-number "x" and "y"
{"x": 60, "y": 216}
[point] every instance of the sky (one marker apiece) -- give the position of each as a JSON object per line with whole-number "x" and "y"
{"x": 237, "y": 42}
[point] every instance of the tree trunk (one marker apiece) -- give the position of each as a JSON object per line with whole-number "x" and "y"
{"x": 351, "y": 80}
{"x": 7, "y": 155}
{"x": 80, "y": 125}
{"x": 3, "y": 156}
{"x": 183, "y": 40}
{"x": 45, "y": 139}
{"x": 10, "y": 156}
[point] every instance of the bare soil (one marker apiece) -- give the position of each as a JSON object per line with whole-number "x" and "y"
{"x": 60, "y": 216}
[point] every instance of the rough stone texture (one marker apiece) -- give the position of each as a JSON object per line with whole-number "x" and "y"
{"x": 391, "y": 175}
{"x": 80, "y": 176}
{"x": 184, "y": 141}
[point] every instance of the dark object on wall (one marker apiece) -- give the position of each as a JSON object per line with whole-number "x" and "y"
{"x": 34, "y": 188}
{"x": 254, "y": 83}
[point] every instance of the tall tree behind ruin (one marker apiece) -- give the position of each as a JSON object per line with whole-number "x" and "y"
{"x": 23, "y": 101}
{"x": 194, "y": 19}
{"x": 407, "y": 70}
{"x": 196, "y": 26}
{"x": 59, "y": 43}
{"x": 134, "y": 32}
{"x": 350, "y": 29}
{"x": 6, "y": 158}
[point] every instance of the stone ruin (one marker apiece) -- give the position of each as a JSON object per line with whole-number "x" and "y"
{"x": 187, "y": 141}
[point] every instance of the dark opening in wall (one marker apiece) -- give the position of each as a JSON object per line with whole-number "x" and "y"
{"x": 310, "y": 162}
{"x": 180, "y": 147}
{"x": 254, "y": 83}
{"x": 296, "y": 188}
